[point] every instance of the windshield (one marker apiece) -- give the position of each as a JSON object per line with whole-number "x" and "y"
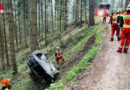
{"x": 104, "y": 6}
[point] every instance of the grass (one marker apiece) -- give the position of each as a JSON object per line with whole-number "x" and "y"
{"x": 71, "y": 76}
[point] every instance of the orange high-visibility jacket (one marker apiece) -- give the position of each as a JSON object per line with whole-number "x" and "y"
{"x": 105, "y": 14}
{"x": 115, "y": 16}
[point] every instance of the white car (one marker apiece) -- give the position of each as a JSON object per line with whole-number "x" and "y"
{"x": 41, "y": 67}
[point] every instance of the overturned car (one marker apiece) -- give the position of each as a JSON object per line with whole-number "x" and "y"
{"x": 42, "y": 69}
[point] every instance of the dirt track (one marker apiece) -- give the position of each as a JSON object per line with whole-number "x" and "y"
{"x": 108, "y": 71}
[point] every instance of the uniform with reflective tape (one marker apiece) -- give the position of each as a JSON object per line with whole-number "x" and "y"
{"x": 125, "y": 35}
{"x": 59, "y": 57}
{"x": 5, "y": 84}
{"x": 115, "y": 27}
{"x": 105, "y": 17}
{"x": 111, "y": 15}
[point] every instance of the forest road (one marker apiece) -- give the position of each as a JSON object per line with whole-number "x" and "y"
{"x": 108, "y": 71}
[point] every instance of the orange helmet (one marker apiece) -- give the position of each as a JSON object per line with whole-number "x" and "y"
{"x": 5, "y": 82}
{"x": 128, "y": 7}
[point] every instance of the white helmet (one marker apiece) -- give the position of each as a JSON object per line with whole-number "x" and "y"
{"x": 128, "y": 7}
{"x": 57, "y": 48}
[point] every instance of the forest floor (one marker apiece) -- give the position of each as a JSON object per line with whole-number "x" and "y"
{"x": 109, "y": 70}
{"x": 75, "y": 39}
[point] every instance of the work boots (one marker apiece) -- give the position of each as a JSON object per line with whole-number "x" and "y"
{"x": 118, "y": 38}
{"x": 125, "y": 51}
{"x": 112, "y": 39}
{"x": 119, "y": 51}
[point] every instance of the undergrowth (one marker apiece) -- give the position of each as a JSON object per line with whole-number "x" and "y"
{"x": 71, "y": 76}
{"x": 72, "y": 43}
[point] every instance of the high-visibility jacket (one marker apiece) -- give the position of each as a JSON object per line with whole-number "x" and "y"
{"x": 5, "y": 82}
{"x": 126, "y": 18}
{"x": 105, "y": 14}
{"x": 115, "y": 16}
{"x": 120, "y": 20}
{"x": 125, "y": 35}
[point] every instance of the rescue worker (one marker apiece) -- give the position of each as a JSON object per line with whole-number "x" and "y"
{"x": 115, "y": 26}
{"x": 105, "y": 16}
{"x": 58, "y": 56}
{"x": 111, "y": 15}
{"x": 125, "y": 35}
{"x": 121, "y": 20}
{"x": 6, "y": 84}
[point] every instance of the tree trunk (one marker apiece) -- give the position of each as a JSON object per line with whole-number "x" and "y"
{"x": 11, "y": 31}
{"x": 20, "y": 33}
{"x": 46, "y": 43}
{"x": 91, "y": 12}
{"x": 39, "y": 17}
{"x": 33, "y": 23}
{"x": 77, "y": 11}
{"x": 5, "y": 40}
{"x": 52, "y": 16}
{"x": 2, "y": 48}
{"x": 15, "y": 29}
{"x": 113, "y": 4}
{"x": 66, "y": 15}
{"x": 25, "y": 35}
{"x": 127, "y": 2}
{"x": 60, "y": 20}
{"x": 86, "y": 20}
{"x": 55, "y": 16}
{"x": 81, "y": 14}
{"x": 42, "y": 15}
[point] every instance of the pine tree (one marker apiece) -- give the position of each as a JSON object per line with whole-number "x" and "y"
{"x": 11, "y": 31}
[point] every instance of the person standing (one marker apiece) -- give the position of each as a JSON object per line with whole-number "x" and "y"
{"x": 105, "y": 16}
{"x": 125, "y": 35}
{"x": 111, "y": 17}
{"x": 115, "y": 26}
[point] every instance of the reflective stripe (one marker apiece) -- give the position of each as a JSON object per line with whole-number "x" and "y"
{"x": 118, "y": 23}
{"x": 6, "y": 89}
{"x": 121, "y": 46}
{"x": 127, "y": 8}
{"x": 126, "y": 16}
{"x": 115, "y": 16}
{"x": 126, "y": 26}
{"x": 3, "y": 84}
{"x": 126, "y": 46}
{"x": 114, "y": 21}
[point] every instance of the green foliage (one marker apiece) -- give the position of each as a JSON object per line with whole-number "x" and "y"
{"x": 97, "y": 20}
{"x": 56, "y": 86}
{"x": 82, "y": 65}
{"x": 72, "y": 75}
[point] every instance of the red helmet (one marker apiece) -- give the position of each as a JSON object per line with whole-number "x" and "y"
{"x": 5, "y": 82}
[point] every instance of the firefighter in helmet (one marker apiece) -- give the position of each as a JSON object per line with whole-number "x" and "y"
{"x": 125, "y": 35}
{"x": 58, "y": 55}
{"x": 115, "y": 26}
{"x": 105, "y": 16}
{"x": 6, "y": 84}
